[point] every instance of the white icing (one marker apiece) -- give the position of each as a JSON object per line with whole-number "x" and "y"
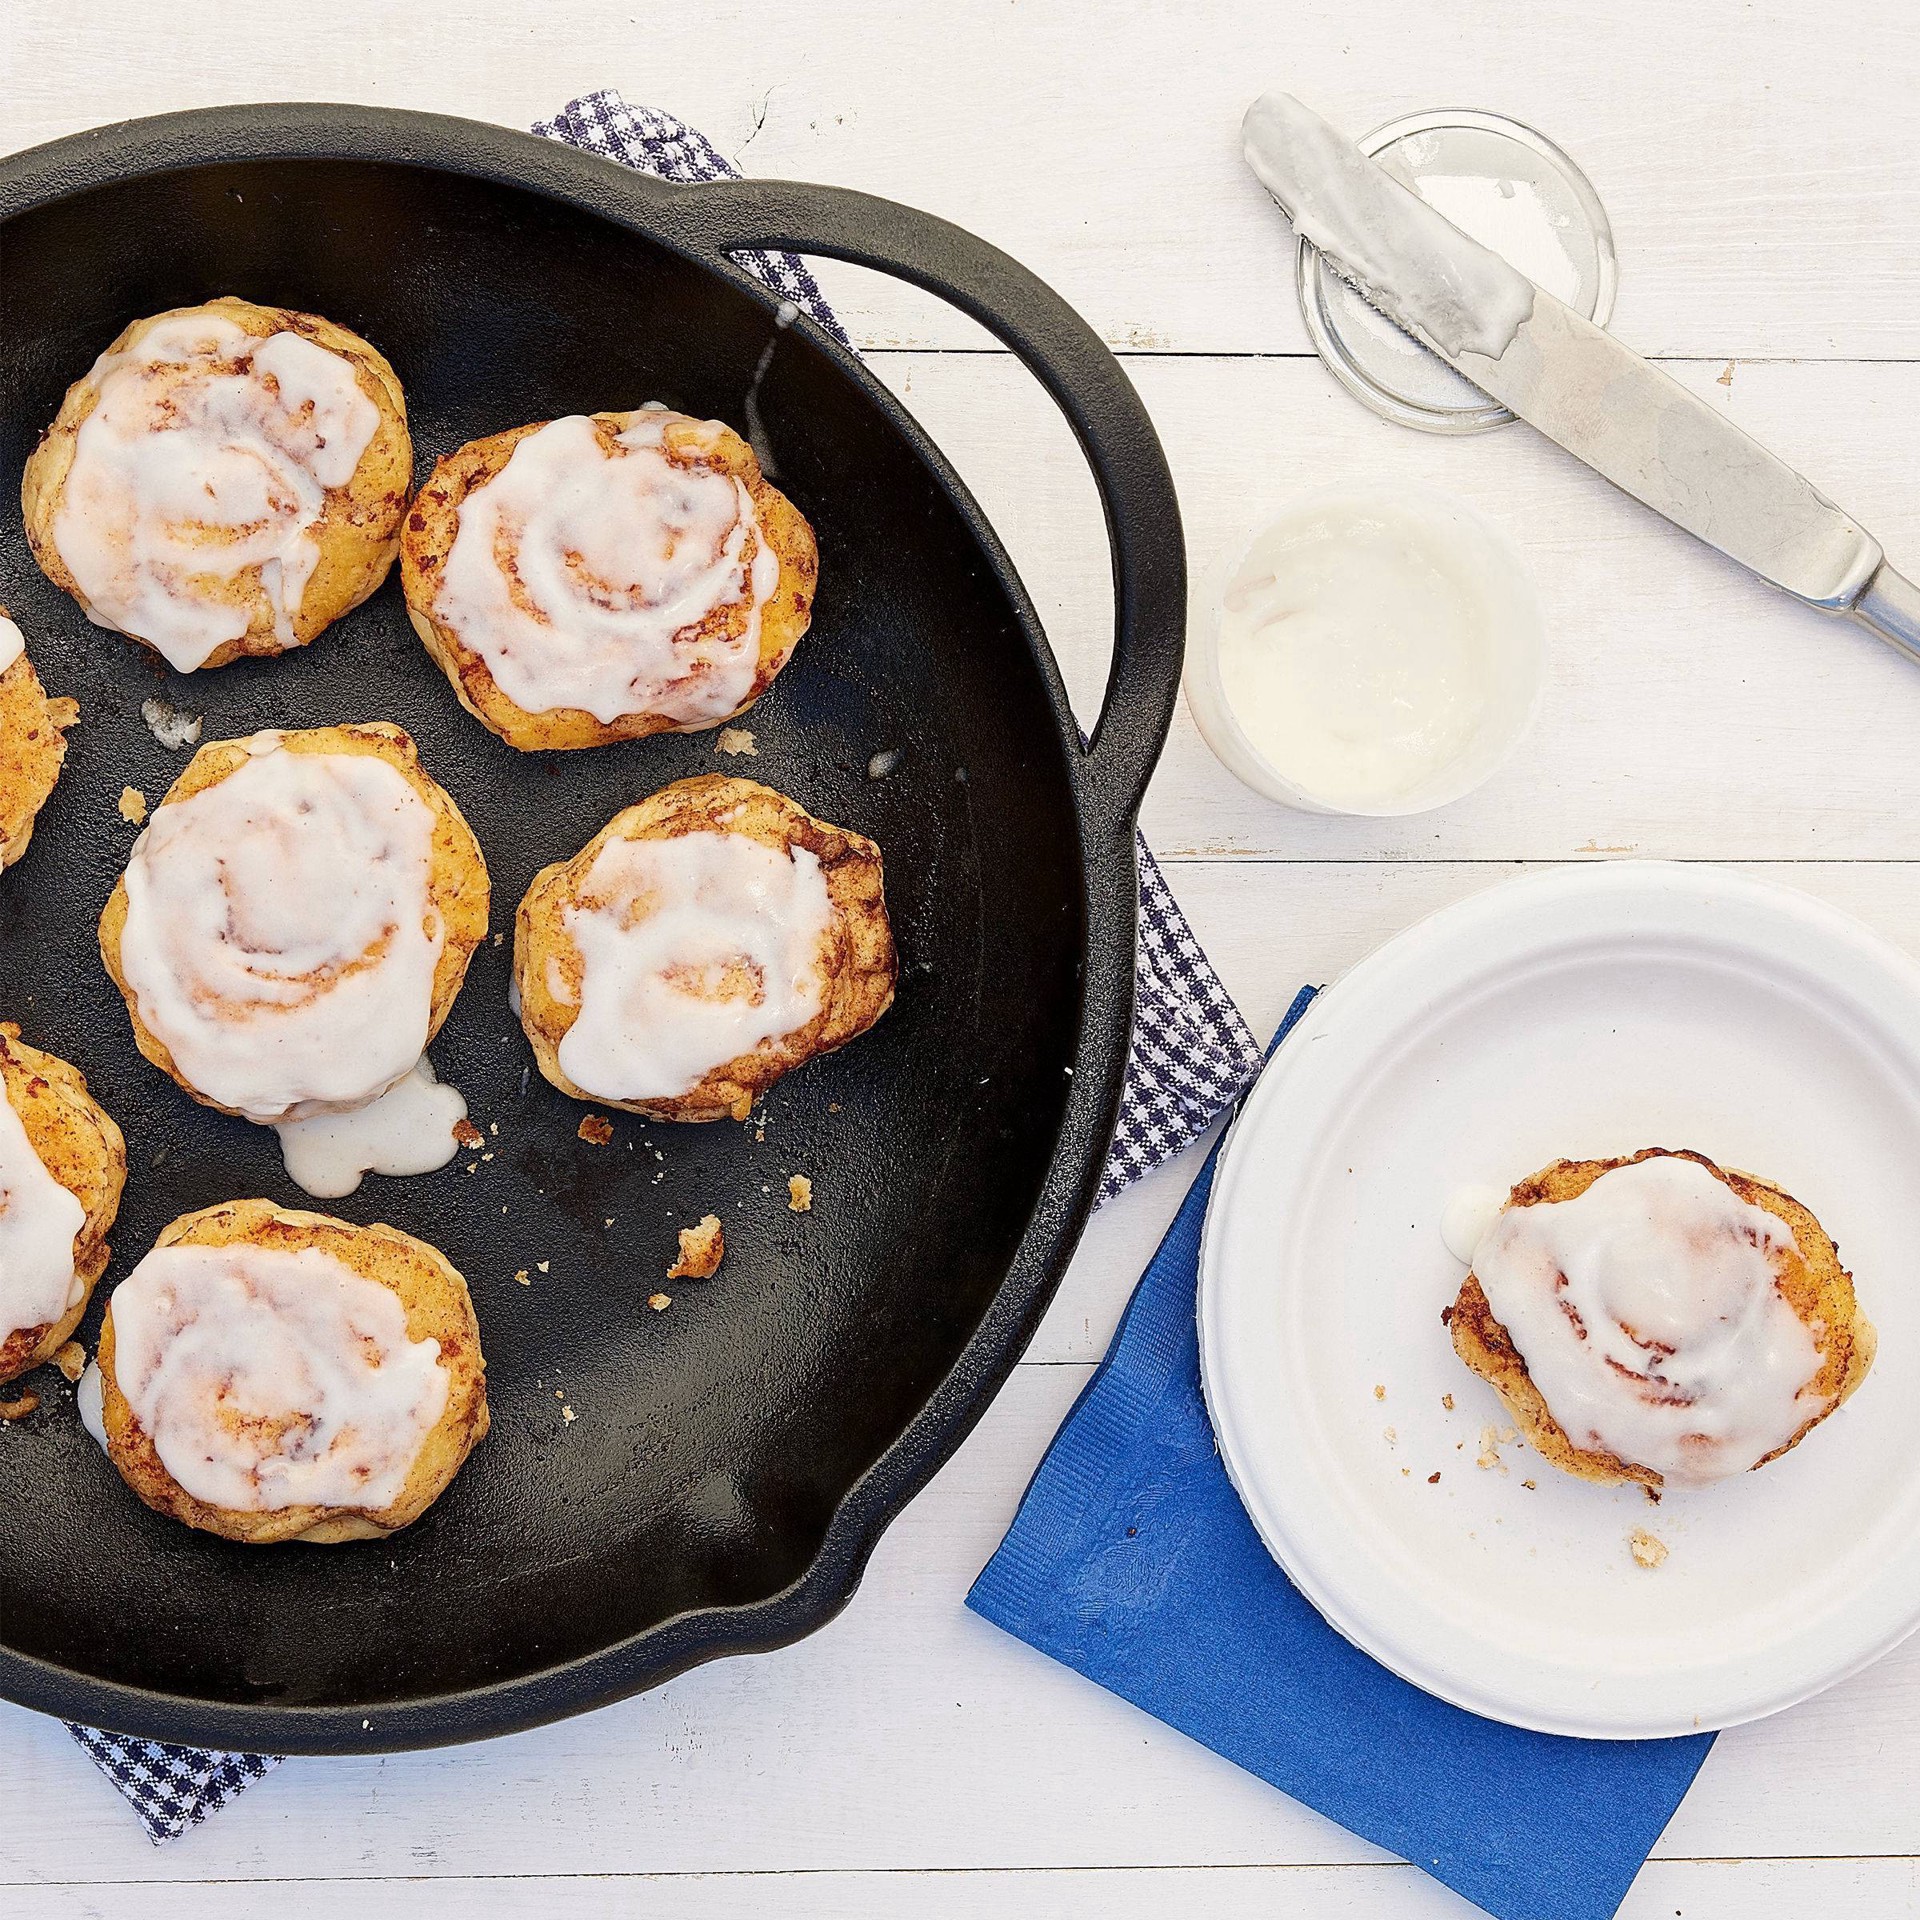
{"x": 39, "y": 1219}
{"x": 1649, "y": 1314}
{"x": 208, "y": 453}
{"x": 694, "y": 950}
{"x": 12, "y": 643}
{"x": 269, "y": 1378}
{"x": 581, "y": 574}
{"x": 89, "y": 1399}
{"x": 408, "y": 1129}
{"x": 1464, "y": 1221}
{"x": 280, "y": 937}
{"x": 1367, "y": 646}
{"x": 1396, "y": 250}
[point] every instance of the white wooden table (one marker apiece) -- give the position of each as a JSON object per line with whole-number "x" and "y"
{"x": 1765, "y": 194}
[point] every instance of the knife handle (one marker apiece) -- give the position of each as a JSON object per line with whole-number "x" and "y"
{"x": 1889, "y": 605}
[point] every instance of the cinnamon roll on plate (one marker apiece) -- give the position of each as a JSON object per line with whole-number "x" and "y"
{"x": 268, "y": 1375}
{"x": 225, "y": 479}
{"x": 62, "y": 1167}
{"x": 33, "y": 742}
{"x": 1660, "y": 1319}
{"x": 295, "y": 921}
{"x": 698, "y": 947}
{"x": 594, "y": 579}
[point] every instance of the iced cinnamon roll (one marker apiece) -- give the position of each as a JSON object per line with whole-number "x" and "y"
{"x": 225, "y": 480}
{"x": 33, "y": 743}
{"x": 1660, "y": 1319}
{"x": 596, "y": 579}
{"x": 700, "y": 946}
{"x": 62, "y": 1167}
{"x": 268, "y": 1375}
{"x": 295, "y": 921}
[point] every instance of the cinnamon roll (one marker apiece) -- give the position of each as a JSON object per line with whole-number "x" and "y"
{"x": 225, "y": 480}
{"x": 1660, "y": 1319}
{"x": 702, "y": 944}
{"x": 295, "y": 921}
{"x": 63, "y": 1165}
{"x": 33, "y": 742}
{"x": 268, "y": 1375}
{"x": 596, "y": 579}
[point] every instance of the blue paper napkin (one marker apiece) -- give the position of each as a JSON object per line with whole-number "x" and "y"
{"x": 1132, "y": 1560}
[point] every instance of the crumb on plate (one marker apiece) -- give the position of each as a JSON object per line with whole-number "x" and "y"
{"x": 1647, "y": 1551}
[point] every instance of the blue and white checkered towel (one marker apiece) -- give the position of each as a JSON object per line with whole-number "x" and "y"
{"x": 1192, "y": 1053}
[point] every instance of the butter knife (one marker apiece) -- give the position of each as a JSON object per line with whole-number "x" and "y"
{"x": 1572, "y": 380}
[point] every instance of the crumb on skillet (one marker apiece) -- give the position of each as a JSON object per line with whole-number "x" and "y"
{"x": 468, "y": 1134}
{"x": 596, "y": 1130}
{"x": 20, "y": 1406}
{"x": 133, "y": 806}
{"x": 799, "y": 1194}
{"x": 736, "y": 740}
{"x": 659, "y": 1302}
{"x": 701, "y": 1251}
{"x": 71, "y": 1360}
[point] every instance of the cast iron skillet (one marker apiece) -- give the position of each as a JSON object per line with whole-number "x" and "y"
{"x": 733, "y": 1459}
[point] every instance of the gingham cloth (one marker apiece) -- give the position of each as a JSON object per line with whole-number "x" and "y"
{"x": 1191, "y": 1055}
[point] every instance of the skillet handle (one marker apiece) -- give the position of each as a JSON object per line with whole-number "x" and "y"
{"x": 1087, "y": 385}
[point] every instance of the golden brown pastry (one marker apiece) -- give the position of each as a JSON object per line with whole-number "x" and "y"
{"x": 32, "y": 742}
{"x": 225, "y": 479}
{"x": 594, "y": 579}
{"x": 699, "y": 946}
{"x": 1660, "y": 1319}
{"x": 269, "y": 1375}
{"x": 295, "y": 920}
{"x": 62, "y": 1167}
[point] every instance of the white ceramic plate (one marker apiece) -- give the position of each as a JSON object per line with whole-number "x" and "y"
{"x": 1584, "y": 1012}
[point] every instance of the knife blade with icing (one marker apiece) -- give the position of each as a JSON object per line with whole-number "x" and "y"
{"x": 1578, "y": 385}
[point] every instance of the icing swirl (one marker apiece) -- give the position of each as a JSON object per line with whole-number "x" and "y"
{"x": 603, "y": 572}
{"x": 280, "y": 937}
{"x": 208, "y": 455}
{"x": 693, "y": 951}
{"x": 1649, "y": 1313}
{"x": 269, "y": 1377}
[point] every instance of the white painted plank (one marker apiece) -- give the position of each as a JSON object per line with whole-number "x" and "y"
{"x": 1700, "y": 1890}
{"x": 907, "y": 1734}
{"x": 1690, "y": 711}
{"x": 1758, "y": 170}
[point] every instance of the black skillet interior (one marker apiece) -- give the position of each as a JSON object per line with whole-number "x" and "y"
{"x": 643, "y": 1466}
